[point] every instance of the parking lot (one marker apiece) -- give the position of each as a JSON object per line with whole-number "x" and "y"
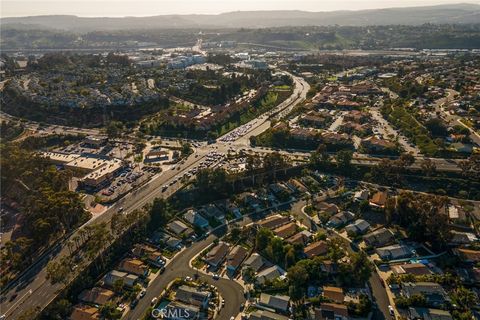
{"x": 125, "y": 181}
{"x": 212, "y": 160}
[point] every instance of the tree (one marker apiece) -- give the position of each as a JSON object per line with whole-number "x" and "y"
{"x": 275, "y": 250}
{"x": 59, "y": 310}
{"x": 158, "y": 213}
{"x": 428, "y": 167}
{"x": 110, "y": 312}
{"x": 344, "y": 158}
{"x": 272, "y": 162}
{"x": 114, "y": 128}
{"x": 262, "y": 239}
{"x": 297, "y": 279}
{"x": 212, "y": 181}
{"x": 59, "y": 272}
{"x": 420, "y": 215}
{"x": 406, "y": 160}
{"x": 320, "y": 157}
{"x": 252, "y": 164}
{"x": 464, "y": 298}
{"x": 118, "y": 286}
{"x": 186, "y": 149}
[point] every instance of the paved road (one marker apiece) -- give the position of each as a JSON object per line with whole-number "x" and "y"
{"x": 378, "y": 290}
{"x": 35, "y": 279}
{"x": 35, "y": 290}
{"x": 179, "y": 266}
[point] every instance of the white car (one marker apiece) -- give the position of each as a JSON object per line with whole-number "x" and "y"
{"x": 391, "y": 310}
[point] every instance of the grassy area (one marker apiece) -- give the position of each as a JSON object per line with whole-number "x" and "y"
{"x": 412, "y": 129}
{"x": 284, "y": 87}
{"x": 271, "y": 100}
{"x": 198, "y": 263}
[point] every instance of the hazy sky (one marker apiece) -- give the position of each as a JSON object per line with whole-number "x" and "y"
{"x": 115, "y": 8}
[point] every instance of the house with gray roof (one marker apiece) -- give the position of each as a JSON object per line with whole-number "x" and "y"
{"x": 393, "y": 252}
{"x": 277, "y": 303}
{"x": 195, "y": 218}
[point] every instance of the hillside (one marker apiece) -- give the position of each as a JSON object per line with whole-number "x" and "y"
{"x": 452, "y": 14}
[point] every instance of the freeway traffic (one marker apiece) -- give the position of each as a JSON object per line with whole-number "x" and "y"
{"x": 33, "y": 286}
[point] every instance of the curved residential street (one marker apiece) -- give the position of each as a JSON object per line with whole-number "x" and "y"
{"x": 179, "y": 266}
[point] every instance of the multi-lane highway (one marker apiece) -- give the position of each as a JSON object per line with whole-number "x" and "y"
{"x": 36, "y": 291}
{"x": 35, "y": 281}
{"x": 33, "y": 290}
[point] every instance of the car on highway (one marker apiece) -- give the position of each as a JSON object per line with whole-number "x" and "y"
{"x": 391, "y": 310}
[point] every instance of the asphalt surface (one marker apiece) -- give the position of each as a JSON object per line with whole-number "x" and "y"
{"x": 33, "y": 290}
{"x": 378, "y": 291}
{"x": 179, "y": 266}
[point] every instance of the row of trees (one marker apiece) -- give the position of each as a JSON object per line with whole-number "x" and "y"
{"x": 421, "y": 215}
{"x": 48, "y": 209}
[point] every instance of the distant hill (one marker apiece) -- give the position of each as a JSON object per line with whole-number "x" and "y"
{"x": 454, "y": 13}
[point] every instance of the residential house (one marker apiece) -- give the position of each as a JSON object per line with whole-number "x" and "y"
{"x": 375, "y": 145}
{"x": 322, "y": 206}
{"x": 180, "y": 228}
{"x": 97, "y": 295}
{"x": 315, "y": 249}
{"x": 301, "y": 237}
{"x": 165, "y": 239}
{"x": 329, "y": 267}
{"x": 266, "y": 315}
{"x": 278, "y": 303}
{"x": 379, "y": 199}
{"x": 296, "y": 186}
{"x": 134, "y": 266}
{"x": 459, "y": 238}
{"x": 176, "y": 310}
{"x": 331, "y": 311}
{"x": 360, "y": 226}
{"x": 151, "y": 254}
{"x": 256, "y": 262}
{"x": 340, "y": 219}
{"x": 84, "y": 312}
{"x": 235, "y": 259}
{"x": 360, "y": 195}
{"x": 393, "y": 252}
{"x": 334, "y": 293}
{"x": 433, "y": 292}
{"x": 252, "y": 202}
{"x": 286, "y": 230}
{"x": 428, "y": 314}
{"x": 193, "y": 296}
{"x": 280, "y": 191}
{"x": 417, "y": 269}
{"x": 273, "y": 222}
{"x": 270, "y": 274}
{"x": 196, "y": 219}
{"x": 379, "y": 237}
{"x": 215, "y": 257}
{"x": 468, "y": 255}
{"x": 212, "y": 211}
{"x": 456, "y": 213}
{"x": 113, "y": 276}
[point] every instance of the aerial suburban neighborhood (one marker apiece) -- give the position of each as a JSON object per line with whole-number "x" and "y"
{"x": 302, "y": 171}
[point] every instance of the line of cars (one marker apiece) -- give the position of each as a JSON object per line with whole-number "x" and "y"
{"x": 238, "y": 132}
{"x": 212, "y": 159}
